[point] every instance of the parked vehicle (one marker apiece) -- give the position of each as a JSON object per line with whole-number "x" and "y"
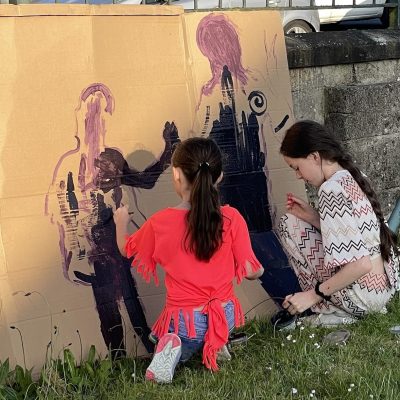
{"x": 332, "y": 15}
{"x": 301, "y": 21}
{"x": 293, "y": 21}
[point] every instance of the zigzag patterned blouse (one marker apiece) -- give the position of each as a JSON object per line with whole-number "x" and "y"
{"x": 349, "y": 227}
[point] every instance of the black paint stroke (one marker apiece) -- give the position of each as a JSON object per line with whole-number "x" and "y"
{"x": 111, "y": 279}
{"x": 257, "y": 102}
{"x": 281, "y": 124}
{"x": 244, "y": 185}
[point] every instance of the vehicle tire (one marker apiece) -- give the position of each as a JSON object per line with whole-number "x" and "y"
{"x": 297, "y": 26}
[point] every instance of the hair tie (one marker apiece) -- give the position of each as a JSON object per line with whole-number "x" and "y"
{"x": 203, "y": 166}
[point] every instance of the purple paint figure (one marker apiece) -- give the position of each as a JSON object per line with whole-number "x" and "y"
{"x": 88, "y": 183}
{"x": 218, "y": 40}
{"x": 239, "y": 133}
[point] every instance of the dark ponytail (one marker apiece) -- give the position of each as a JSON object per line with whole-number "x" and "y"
{"x": 306, "y": 137}
{"x": 201, "y": 162}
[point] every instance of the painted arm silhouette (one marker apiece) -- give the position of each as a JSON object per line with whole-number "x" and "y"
{"x": 114, "y": 169}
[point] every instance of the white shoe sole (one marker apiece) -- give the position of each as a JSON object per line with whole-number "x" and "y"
{"x": 166, "y": 357}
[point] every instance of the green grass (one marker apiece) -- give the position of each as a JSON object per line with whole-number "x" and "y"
{"x": 269, "y": 366}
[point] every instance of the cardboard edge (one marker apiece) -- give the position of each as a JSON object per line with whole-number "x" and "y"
{"x": 32, "y": 10}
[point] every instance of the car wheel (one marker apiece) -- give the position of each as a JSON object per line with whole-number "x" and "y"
{"x": 297, "y": 26}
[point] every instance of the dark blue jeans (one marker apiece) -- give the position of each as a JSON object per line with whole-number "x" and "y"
{"x": 191, "y": 346}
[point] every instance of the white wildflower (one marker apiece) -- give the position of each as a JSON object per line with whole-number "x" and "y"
{"x": 313, "y": 391}
{"x": 312, "y": 336}
{"x": 349, "y": 389}
{"x": 351, "y": 385}
{"x": 289, "y": 337}
{"x": 302, "y": 328}
{"x": 294, "y": 340}
{"x": 294, "y": 391}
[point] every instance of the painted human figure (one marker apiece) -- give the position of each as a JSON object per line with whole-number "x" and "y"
{"x": 239, "y": 133}
{"x": 88, "y": 181}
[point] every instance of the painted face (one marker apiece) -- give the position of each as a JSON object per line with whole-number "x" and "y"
{"x": 308, "y": 169}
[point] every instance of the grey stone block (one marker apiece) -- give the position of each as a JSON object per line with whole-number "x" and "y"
{"x": 306, "y": 105}
{"x": 363, "y": 124}
{"x": 343, "y": 47}
{"x": 378, "y": 159}
{"x": 381, "y": 71}
{"x": 368, "y": 98}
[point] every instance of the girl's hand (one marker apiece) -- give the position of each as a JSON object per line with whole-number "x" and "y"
{"x": 299, "y": 302}
{"x": 121, "y": 217}
{"x": 302, "y": 210}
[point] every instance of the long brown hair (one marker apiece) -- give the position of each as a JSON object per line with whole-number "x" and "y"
{"x": 201, "y": 162}
{"x": 306, "y": 137}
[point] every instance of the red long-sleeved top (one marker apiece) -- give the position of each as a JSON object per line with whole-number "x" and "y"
{"x": 190, "y": 283}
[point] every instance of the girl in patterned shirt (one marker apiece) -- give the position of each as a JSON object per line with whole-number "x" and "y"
{"x": 202, "y": 246}
{"x": 343, "y": 254}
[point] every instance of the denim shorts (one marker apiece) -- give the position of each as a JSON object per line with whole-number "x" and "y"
{"x": 190, "y": 346}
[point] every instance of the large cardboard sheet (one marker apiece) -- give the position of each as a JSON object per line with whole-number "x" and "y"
{"x": 91, "y": 101}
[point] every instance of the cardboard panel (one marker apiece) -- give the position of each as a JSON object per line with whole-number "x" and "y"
{"x": 255, "y": 300}
{"x": 92, "y": 100}
{"x": 256, "y": 90}
{"x": 6, "y": 350}
{"x": 68, "y": 331}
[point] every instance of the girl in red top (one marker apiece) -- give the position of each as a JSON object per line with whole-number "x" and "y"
{"x": 202, "y": 247}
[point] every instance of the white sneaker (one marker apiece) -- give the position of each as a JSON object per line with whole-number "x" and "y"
{"x": 327, "y": 320}
{"x": 166, "y": 357}
{"x": 223, "y": 354}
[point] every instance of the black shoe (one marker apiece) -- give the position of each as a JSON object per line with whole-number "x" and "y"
{"x": 283, "y": 320}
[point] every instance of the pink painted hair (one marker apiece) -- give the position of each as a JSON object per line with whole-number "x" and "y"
{"x": 218, "y": 40}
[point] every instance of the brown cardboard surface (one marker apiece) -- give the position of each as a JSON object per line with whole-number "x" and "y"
{"x": 37, "y": 334}
{"x": 3, "y": 265}
{"x": 27, "y": 296}
{"x": 266, "y": 68}
{"x": 140, "y": 69}
{"x": 5, "y": 348}
{"x": 254, "y": 299}
{"x": 41, "y": 114}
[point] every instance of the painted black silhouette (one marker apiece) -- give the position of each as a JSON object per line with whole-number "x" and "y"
{"x": 86, "y": 198}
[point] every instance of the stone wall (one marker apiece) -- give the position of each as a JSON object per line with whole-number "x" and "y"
{"x": 350, "y": 81}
